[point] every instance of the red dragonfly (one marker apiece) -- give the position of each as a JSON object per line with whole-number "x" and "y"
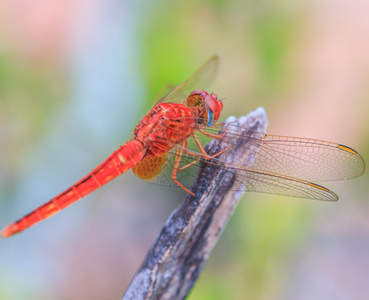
{"x": 167, "y": 148}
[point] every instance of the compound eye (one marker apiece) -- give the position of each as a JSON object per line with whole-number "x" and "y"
{"x": 200, "y": 92}
{"x": 196, "y": 98}
{"x": 214, "y": 105}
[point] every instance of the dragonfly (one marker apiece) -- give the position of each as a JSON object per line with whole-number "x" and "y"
{"x": 168, "y": 148}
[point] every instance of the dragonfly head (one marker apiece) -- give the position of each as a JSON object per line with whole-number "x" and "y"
{"x": 210, "y": 105}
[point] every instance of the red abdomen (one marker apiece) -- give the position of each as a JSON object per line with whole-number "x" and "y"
{"x": 117, "y": 163}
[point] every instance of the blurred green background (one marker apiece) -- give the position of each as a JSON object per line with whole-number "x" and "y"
{"x": 77, "y": 76}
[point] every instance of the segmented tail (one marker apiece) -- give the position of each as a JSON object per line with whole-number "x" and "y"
{"x": 124, "y": 158}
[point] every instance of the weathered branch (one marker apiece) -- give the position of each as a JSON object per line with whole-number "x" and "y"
{"x": 182, "y": 248}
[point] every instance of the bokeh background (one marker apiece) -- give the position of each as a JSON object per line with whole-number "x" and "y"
{"x": 77, "y": 76}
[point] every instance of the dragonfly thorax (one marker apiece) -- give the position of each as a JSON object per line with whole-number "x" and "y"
{"x": 165, "y": 126}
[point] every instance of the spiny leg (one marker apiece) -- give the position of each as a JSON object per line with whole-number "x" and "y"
{"x": 183, "y": 149}
{"x": 202, "y": 150}
{"x": 214, "y": 135}
{"x": 177, "y": 161}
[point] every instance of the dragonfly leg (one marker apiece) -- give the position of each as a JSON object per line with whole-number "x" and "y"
{"x": 198, "y": 155}
{"x": 189, "y": 165}
{"x": 202, "y": 150}
{"x": 176, "y": 168}
{"x": 214, "y": 135}
{"x": 178, "y": 157}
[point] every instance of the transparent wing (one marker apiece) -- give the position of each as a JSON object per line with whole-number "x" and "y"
{"x": 201, "y": 79}
{"x": 163, "y": 92}
{"x": 308, "y": 159}
{"x": 282, "y": 165}
{"x": 303, "y": 158}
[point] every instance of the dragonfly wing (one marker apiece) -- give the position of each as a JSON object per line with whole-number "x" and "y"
{"x": 165, "y": 90}
{"x": 309, "y": 159}
{"x": 254, "y": 180}
{"x": 306, "y": 159}
{"x": 248, "y": 179}
{"x": 201, "y": 79}
{"x": 280, "y": 165}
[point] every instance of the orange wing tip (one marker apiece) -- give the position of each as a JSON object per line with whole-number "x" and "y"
{"x": 347, "y": 149}
{"x": 9, "y": 230}
{"x": 333, "y": 197}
